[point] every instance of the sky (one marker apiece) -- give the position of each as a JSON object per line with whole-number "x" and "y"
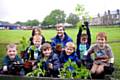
{"x": 23, "y": 10}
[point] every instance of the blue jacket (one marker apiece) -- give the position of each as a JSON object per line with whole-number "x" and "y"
{"x": 53, "y": 59}
{"x": 56, "y": 40}
{"x": 64, "y": 58}
{"x": 7, "y": 61}
{"x": 78, "y": 39}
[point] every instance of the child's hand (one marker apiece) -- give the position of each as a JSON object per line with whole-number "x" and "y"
{"x": 50, "y": 65}
{"x": 5, "y": 68}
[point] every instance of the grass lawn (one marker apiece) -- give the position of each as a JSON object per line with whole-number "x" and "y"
{"x": 7, "y": 36}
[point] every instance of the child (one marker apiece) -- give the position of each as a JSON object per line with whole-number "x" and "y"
{"x": 34, "y": 50}
{"x": 50, "y": 61}
{"x": 83, "y": 41}
{"x": 36, "y": 31}
{"x": 11, "y": 60}
{"x": 103, "y": 54}
{"x": 69, "y": 53}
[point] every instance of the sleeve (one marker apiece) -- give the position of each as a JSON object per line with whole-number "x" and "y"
{"x": 19, "y": 59}
{"x": 110, "y": 54}
{"x": 78, "y": 41}
{"x": 88, "y": 33}
{"x": 53, "y": 43}
{"x": 43, "y": 39}
{"x": 26, "y": 56}
{"x": 78, "y": 61}
{"x": 5, "y": 61}
{"x": 56, "y": 63}
{"x": 90, "y": 51}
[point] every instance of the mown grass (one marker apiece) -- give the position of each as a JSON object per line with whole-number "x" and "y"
{"x": 7, "y": 36}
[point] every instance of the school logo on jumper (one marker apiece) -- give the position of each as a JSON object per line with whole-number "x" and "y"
{"x": 100, "y": 53}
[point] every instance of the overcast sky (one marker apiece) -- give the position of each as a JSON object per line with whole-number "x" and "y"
{"x": 22, "y": 10}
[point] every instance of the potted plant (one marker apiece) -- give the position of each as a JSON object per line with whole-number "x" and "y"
{"x": 75, "y": 72}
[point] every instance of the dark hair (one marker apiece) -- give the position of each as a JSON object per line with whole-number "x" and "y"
{"x": 33, "y": 31}
{"x": 46, "y": 46}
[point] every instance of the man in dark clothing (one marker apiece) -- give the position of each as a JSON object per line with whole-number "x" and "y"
{"x": 61, "y": 38}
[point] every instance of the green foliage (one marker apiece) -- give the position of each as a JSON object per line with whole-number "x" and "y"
{"x": 79, "y": 24}
{"x": 77, "y": 72}
{"x": 72, "y": 19}
{"x": 29, "y": 23}
{"x": 80, "y": 11}
{"x": 37, "y": 72}
{"x": 23, "y": 44}
{"x": 56, "y": 16}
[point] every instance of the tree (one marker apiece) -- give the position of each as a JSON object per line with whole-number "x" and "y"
{"x": 29, "y": 23}
{"x": 32, "y": 23}
{"x": 20, "y": 23}
{"x": 56, "y": 16}
{"x": 80, "y": 11}
{"x": 72, "y": 19}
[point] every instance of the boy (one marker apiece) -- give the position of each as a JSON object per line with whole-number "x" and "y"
{"x": 83, "y": 41}
{"x": 34, "y": 50}
{"x": 103, "y": 54}
{"x": 69, "y": 53}
{"x": 50, "y": 61}
{"x": 10, "y": 60}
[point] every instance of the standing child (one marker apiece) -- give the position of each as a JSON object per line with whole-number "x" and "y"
{"x": 11, "y": 60}
{"x": 50, "y": 61}
{"x": 103, "y": 54}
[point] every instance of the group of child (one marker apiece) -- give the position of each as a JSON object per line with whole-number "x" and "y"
{"x": 60, "y": 50}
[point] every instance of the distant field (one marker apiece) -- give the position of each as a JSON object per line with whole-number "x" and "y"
{"x": 7, "y": 36}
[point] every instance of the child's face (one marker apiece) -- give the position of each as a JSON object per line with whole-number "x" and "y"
{"x": 46, "y": 52}
{"x": 101, "y": 42}
{"x": 11, "y": 52}
{"x": 37, "y": 42}
{"x": 60, "y": 31}
{"x": 69, "y": 50}
{"x": 83, "y": 40}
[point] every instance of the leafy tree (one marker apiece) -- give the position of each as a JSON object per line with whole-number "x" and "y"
{"x": 56, "y": 16}
{"x": 72, "y": 19}
{"x": 84, "y": 16}
{"x": 32, "y": 22}
{"x": 29, "y": 23}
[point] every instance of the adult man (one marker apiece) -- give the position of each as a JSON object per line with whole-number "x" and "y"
{"x": 61, "y": 38}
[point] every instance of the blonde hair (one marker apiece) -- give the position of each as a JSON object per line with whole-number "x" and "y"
{"x": 37, "y": 37}
{"x": 102, "y": 34}
{"x": 11, "y": 45}
{"x": 70, "y": 44}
